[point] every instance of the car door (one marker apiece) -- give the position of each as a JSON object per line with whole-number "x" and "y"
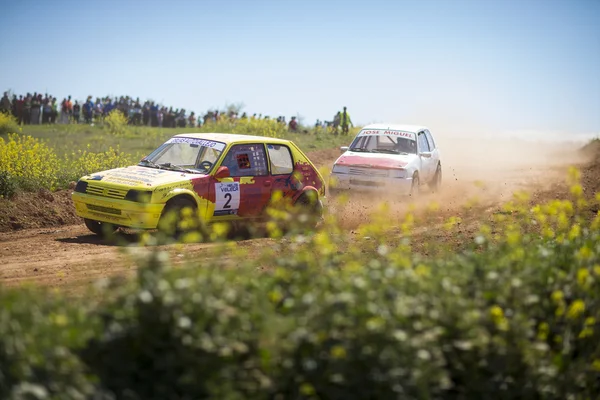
{"x": 248, "y": 189}
{"x": 282, "y": 170}
{"x": 425, "y": 157}
{"x": 435, "y": 153}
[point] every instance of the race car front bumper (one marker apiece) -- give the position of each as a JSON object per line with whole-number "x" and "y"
{"x": 385, "y": 185}
{"x": 125, "y": 213}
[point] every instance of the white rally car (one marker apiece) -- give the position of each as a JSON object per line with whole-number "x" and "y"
{"x": 391, "y": 159}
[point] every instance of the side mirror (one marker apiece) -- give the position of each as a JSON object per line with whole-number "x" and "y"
{"x": 425, "y": 155}
{"x": 222, "y": 172}
{"x": 344, "y": 149}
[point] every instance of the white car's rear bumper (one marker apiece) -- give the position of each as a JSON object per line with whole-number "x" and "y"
{"x": 387, "y": 185}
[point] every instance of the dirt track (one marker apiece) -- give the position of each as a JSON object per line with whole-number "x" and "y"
{"x": 70, "y": 257}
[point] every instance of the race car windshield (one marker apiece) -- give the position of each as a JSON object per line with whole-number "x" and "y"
{"x": 190, "y": 157}
{"x": 384, "y": 144}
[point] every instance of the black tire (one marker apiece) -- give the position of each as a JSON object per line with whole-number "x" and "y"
{"x": 436, "y": 183}
{"x": 173, "y": 215}
{"x": 102, "y": 229}
{"x": 309, "y": 210}
{"x": 416, "y": 186}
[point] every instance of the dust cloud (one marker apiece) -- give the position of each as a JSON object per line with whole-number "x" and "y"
{"x": 479, "y": 166}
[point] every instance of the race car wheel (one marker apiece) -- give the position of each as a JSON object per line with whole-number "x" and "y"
{"x": 415, "y": 187}
{"x": 178, "y": 217}
{"x": 309, "y": 209}
{"x": 102, "y": 229}
{"x": 436, "y": 182}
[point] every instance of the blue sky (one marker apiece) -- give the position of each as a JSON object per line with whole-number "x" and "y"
{"x": 528, "y": 65}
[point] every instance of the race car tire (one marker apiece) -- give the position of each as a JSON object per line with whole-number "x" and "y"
{"x": 102, "y": 229}
{"x": 415, "y": 186}
{"x": 173, "y": 215}
{"x": 309, "y": 209}
{"x": 436, "y": 182}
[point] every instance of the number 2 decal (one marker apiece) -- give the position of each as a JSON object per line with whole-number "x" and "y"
{"x": 227, "y": 198}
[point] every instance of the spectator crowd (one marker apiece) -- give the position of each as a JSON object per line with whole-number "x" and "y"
{"x": 35, "y": 109}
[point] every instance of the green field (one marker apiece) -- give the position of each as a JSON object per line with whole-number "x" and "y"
{"x": 142, "y": 140}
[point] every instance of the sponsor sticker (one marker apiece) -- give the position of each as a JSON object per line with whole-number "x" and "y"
{"x": 199, "y": 142}
{"x": 227, "y": 198}
{"x": 387, "y": 132}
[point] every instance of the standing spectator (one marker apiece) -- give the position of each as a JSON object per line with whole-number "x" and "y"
{"x": 98, "y": 110}
{"x": 192, "y": 120}
{"x": 69, "y": 106}
{"x": 160, "y": 115}
{"x": 293, "y": 125}
{"x": 345, "y": 121}
{"x": 5, "y": 106}
{"x": 88, "y": 109}
{"x": 153, "y": 114}
{"x": 137, "y": 113}
{"x": 54, "y": 111}
{"x": 146, "y": 114}
{"x": 13, "y": 107}
{"x": 76, "y": 112}
{"x": 336, "y": 122}
{"x": 20, "y": 109}
{"x": 36, "y": 105}
{"x": 46, "y": 111}
{"x": 64, "y": 112}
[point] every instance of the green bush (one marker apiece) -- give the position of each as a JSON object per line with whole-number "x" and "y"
{"x": 8, "y": 124}
{"x": 516, "y": 315}
{"x": 8, "y": 186}
{"x": 259, "y": 127}
{"x": 116, "y": 123}
{"x": 28, "y": 164}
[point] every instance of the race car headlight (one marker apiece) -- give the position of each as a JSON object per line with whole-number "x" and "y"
{"x": 81, "y": 186}
{"x": 139, "y": 196}
{"x": 339, "y": 169}
{"x": 399, "y": 173}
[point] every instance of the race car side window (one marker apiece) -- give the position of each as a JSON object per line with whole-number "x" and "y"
{"x": 423, "y": 145}
{"x": 281, "y": 159}
{"x": 246, "y": 160}
{"x": 430, "y": 140}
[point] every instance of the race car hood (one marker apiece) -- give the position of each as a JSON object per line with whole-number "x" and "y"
{"x": 142, "y": 177}
{"x": 375, "y": 160}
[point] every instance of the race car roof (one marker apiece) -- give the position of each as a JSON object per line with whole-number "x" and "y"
{"x": 397, "y": 127}
{"x": 232, "y": 138}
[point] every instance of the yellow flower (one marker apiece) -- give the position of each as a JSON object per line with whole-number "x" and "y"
{"x": 574, "y": 232}
{"x": 584, "y": 253}
{"x": 422, "y": 270}
{"x": 496, "y": 312}
{"x": 498, "y": 317}
{"x": 338, "y": 352}
{"x": 557, "y": 296}
{"x": 582, "y": 276}
{"x": 576, "y": 309}
{"x": 576, "y": 190}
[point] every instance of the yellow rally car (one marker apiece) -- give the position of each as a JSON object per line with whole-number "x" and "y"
{"x": 223, "y": 177}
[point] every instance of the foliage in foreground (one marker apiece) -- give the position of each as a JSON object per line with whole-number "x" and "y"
{"x": 514, "y": 316}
